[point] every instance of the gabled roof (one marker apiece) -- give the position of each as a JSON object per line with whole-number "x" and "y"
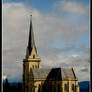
{"x": 68, "y": 73}
{"x": 55, "y": 73}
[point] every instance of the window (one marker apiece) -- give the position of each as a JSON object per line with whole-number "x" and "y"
{"x": 44, "y": 88}
{"x": 50, "y": 88}
{"x": 65, "y": 87}
{"x": 38, "y": 65}
{"x": 33, "y": 56}
{"x": 33, "y": 66}
{"x": 73, "y": 88}
{"x": 33, "y": 89}
{"x": 39, "y": 87}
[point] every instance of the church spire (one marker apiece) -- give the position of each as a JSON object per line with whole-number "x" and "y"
{"x": 31, "y": 42}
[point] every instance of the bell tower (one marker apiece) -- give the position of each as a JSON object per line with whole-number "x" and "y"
{"x": 31, "y": 53}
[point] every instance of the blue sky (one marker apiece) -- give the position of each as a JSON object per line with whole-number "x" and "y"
{"x": 44, "y": 5}
{"x": 61, "y": 30}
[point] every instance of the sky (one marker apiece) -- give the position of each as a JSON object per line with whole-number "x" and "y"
{"x": 61, "y": 31}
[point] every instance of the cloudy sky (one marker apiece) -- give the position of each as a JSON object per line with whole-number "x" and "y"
{"x": 61, "y": 29}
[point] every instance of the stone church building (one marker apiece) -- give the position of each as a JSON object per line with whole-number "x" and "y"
{"x": 37, "y": 79}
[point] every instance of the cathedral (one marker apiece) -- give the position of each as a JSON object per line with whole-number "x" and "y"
{"x": 37, "y": 79}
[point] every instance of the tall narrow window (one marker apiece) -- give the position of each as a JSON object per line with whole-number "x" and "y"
{"x": 33, "y": 56}
{"x": 44, "y": 88}
{"x": 33, "y": 66}
{"x": 65, "y": 87}
{"x": 39, "y": 88}
{"x": 73, "y": 88}
{"x": 50, "y": 87}
{"x": 38, "y": 65}
{"x": 33, "y": 89}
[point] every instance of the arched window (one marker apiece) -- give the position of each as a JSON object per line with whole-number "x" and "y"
{"x": 33, "y": 56}
{"x": 39, "y": 88}
{"x": 33, "y": 89}
{"x": 44, "y": 88}
{"x": 65, "y": 87}
{"x": 47, "y": 87}
{"x": 50, "y": 87}
{"x": 33, "y": 66}
{"x": 73, "y": 88}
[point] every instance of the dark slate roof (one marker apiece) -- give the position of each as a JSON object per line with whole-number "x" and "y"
{"x": 31, "y": 42}
{"x": 55, "y": 73}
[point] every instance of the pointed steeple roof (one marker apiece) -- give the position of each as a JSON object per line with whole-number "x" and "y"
{"x": 31, "y": 42}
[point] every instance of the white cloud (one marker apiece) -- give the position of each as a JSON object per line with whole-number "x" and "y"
{"x": 46, "y": 29}
{"x": 78, "y": 62}
{"x": 75, "y": 55}
{"x": 72, "y": 7}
